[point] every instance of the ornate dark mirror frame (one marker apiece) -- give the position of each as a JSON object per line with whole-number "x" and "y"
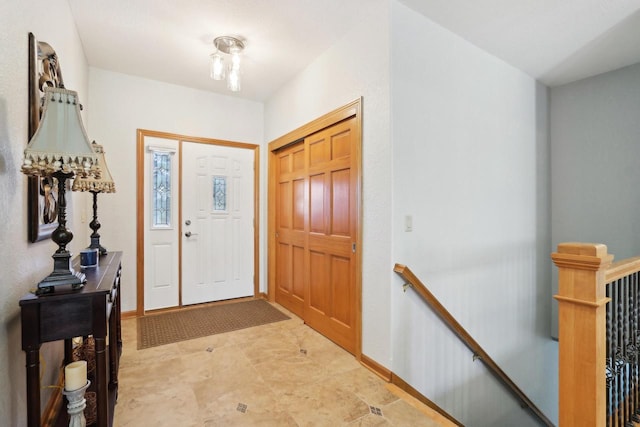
{"x": 44, "y": 70}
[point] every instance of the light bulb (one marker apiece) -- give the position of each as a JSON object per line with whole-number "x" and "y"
{"x": 235, "y": 61}
{"x": 217, "y": 66}
{"x": 233, "y": 81}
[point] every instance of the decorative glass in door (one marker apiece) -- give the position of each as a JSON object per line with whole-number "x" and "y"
{"x": 161, "y": 195}
{"x": 219, "y": 193}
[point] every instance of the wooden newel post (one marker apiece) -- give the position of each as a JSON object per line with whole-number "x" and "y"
{"x": 582, "y": 333}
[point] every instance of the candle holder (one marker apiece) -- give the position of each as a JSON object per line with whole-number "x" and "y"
{"x": 76, "y": 405}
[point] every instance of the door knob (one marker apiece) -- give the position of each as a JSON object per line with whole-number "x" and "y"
{"x": 189, "y": 234}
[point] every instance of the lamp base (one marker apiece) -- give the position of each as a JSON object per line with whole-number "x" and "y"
{"x": 95, "y": 244}
{"x": 95, "y": 226}
{"x": 62, "y": 274}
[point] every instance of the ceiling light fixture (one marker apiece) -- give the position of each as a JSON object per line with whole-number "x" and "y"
{"x": 232, "y": 46}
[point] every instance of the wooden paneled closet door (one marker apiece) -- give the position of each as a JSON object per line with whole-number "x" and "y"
{"x": 316, "y": 226}
{"x": 290, "y": 228}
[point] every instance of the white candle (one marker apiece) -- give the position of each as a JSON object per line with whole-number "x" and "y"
{"x": 75, "y": 375}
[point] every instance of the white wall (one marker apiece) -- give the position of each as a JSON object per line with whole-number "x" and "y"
{"x": 595, "y": 132}
{"x": 471, "y": 166}
{"x": 356, "y": 66}
{"x": 595, "y": 148}
{"x": 121, "y": 104}
{"x": 24, "y": 264}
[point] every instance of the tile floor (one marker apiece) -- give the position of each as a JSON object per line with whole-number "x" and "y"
{"x": 281, "y": 374}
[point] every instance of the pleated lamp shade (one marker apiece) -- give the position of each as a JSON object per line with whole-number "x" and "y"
{"x": 60, "y": 142}
{"x": 102, "y": 184}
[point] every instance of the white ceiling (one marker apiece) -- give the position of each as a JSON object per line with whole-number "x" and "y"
{"x": 555, "y": 41}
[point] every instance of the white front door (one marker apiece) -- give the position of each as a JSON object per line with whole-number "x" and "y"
{"x": 217, "y": 222}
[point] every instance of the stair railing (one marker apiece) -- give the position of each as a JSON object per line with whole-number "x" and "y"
{"x": 478, "y": 352}
{"x": 599, "y": 336}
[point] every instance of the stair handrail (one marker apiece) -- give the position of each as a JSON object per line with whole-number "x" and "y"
{"x": 477, "y": 350}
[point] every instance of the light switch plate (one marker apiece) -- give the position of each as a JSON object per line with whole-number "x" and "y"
{"x": 408, "y": 223}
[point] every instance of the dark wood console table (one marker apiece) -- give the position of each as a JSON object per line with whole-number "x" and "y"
{"x": 65, "y": 314}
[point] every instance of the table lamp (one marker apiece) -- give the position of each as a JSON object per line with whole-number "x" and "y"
{"x": 95, "y": 185}
{"x": 60, "y": 149}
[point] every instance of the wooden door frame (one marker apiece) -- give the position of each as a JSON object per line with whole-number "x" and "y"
{"x": 140, "y": 187}
{"x": 353, "y": 109}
